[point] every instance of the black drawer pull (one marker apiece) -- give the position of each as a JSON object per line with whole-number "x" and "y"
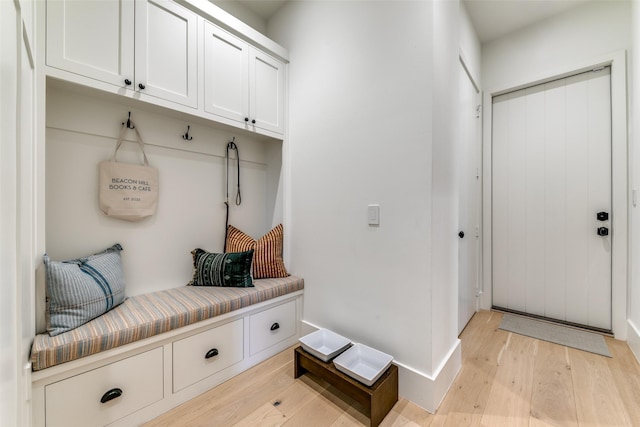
{"x": 275, "y": 326}
{"x": 111, "y": 394}
{"x": 211, "y": 353}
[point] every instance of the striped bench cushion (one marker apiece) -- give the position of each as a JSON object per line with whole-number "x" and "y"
{"x": 143, "y": 316}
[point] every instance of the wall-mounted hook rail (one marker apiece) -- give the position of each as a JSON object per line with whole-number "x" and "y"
{"x": 186, "y": 136}
{"x": 129, "y": 124}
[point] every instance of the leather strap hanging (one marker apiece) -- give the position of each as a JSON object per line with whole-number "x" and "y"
{"x": 231, "y": 146}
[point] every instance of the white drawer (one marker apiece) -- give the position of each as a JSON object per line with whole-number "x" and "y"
{"x": 271, "y": 326}
{"x": 76, "y": 401}
{"x": 223, "y": 345}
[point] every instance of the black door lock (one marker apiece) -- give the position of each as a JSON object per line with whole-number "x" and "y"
{"x": 603, "y": 231}
{"x": 602, "y": 216}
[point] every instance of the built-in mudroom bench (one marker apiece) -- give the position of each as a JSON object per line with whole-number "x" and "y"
{"x": 158, "y": 350}
{"x": 193, "y": 81}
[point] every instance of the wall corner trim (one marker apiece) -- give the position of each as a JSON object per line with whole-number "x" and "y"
{"x": 428, "y": 391}
{"x": 633, "y": 339}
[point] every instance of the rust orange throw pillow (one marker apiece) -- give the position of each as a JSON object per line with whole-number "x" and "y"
{"x": 267, "y": 256}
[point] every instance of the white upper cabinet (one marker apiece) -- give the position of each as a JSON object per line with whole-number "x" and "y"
{"x": 241, "y": 83}
{"x": 92, "y": 38}
{"x": 226, "y": 74}
{"x": 266, "y": 91}
{"x": 166, "y": 51}
{"x": 148, "y": 46}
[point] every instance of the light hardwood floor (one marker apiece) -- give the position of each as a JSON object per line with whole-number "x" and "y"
{"x": 505, "y": 380}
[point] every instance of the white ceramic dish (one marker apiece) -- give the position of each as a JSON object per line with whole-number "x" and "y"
{"x": 324, "y": 344}
{"x": 362, "y": 363}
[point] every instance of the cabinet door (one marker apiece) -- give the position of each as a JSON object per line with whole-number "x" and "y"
{"x": 271, "y": 326}
{"x": 93, "y": 38}
{"x": 226, "y": 74}
{"x": 266, "y": 92}
{"x": 166, "y": 49}
{"x": 99, "y": 397}
{"x": 204, "y": 354}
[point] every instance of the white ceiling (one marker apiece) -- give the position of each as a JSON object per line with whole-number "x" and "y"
{"x": 491, "y": 18}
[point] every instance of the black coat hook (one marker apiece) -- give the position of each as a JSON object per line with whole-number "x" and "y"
{"x": 186, "y": 136}
{"x": 129, "y": 124}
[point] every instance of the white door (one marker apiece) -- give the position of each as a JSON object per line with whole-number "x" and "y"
{"x": 166, "y": 51}
{"x": 226, "y": 74}
{"x": 551, "y": 200}
{"x": 266, "y": 91}
{"x": 92, "y": 38}
{"x": 469, "y": 198}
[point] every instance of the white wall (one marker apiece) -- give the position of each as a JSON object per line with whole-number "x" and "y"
{"x": 363, "y": 131}
{"x": 582, "y": 33}
{"x": 577, "y": 38}
{"x": 470, "y": 49}
{"x": 242, "y": 13}
{"x": 633, "y": 334}
{"x": 82, "y": 130}
{"x": 444, "y": 185}
{"x": 17, "y": 236}
{"x": 9, "y": 356}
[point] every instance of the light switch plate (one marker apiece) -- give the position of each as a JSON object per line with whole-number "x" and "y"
{"x": 373, "y": 214}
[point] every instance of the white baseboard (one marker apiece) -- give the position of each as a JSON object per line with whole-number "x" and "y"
{"x": 633, "y": 339}
{"x": 424, "y": 390}
{"x": 428, "y": 391}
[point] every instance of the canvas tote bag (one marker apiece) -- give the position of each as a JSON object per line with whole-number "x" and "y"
{"x": 128, "y": 191}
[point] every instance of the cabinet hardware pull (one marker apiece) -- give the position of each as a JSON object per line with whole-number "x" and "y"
{"x": 246, "y": 119}
{"x": 141, "y": 86}
{"x": 253, "y": 121}
{"x": 111, "y": 394}
{"x": 127, "y": 82}
{"x": 275, "y": 326}
{"x": 211, "y": 353}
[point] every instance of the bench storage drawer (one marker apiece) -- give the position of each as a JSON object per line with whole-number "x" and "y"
{"x": 106, "y": 394}
{"x": 271, "y": 326}
{"x": 201, "y": 355}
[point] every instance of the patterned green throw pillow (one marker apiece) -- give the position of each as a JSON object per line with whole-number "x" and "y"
{"x": 82, "y": 289}
{"x": 231, "y": 269}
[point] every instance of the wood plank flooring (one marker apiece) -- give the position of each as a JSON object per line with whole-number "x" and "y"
{"x": 506, "y": 380}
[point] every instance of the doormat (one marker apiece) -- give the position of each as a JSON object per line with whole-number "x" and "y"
{"x": 558, "y": 334}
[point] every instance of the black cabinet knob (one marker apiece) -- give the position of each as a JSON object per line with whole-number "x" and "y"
{"x": 111, "y": 394}
{"x": 603, "y": 231}
{"x": 461, "y": 234}
{"x": 211, "y": 353}
{"x": 275, "y": 326}
{"x": 253, "y": 121}
{"x": 246, "y": 119}
{"x": 127, "y": 82}
{"x": 602, "y": 216}
{"x": 141, "y": 86}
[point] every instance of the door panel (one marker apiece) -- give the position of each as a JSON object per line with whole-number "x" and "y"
{"x": 551, "y": 157}
{"x": 469, "y": 199}
{"x": 92, "y": 38}
{"x": 226, "y": 64}
{"x": 166, "y": 51}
